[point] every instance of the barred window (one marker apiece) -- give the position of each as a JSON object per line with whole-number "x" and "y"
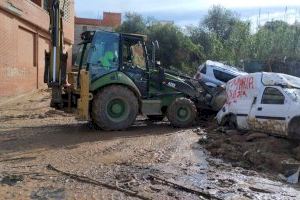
{"x": 64, "y": 4}
{"x": 67, "y": 9}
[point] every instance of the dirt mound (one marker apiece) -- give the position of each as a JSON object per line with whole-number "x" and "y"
{"x": 252, "y": 150}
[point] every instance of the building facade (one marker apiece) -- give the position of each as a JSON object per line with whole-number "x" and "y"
{"x": 24, "y": 38}
{"x": 109, "y": 22}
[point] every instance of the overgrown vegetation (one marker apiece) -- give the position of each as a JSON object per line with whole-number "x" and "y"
{"x": 220, "y": 36}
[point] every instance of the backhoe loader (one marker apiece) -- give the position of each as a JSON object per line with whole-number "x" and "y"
{"x": 115, "y": 79}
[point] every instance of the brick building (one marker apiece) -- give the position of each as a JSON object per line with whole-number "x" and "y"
{"x": 109, "y": 22}
{"x": 24, "y": 37}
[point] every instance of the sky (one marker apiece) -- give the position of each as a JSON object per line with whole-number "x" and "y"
{"x": 190, "y": 12}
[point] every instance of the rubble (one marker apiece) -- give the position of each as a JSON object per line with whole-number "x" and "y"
{"x": 254, "y": 136}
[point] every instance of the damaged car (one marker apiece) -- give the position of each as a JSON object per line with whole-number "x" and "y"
{"x": 216, "y": 74}
{"x": 264, "y": 102}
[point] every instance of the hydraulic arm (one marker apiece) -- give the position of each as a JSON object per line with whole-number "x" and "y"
{"x": 56, "y": 60}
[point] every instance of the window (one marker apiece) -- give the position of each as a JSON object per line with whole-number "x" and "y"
{"x": 84, "y": 28}
{"x": 133, "y": 54}
{"x": 138, "y": 58}
{"x": 272, "y": 96}
{"x": 203, "y": 70}
{"x": 37, "y": 2}
{"x": 222, "y": 76}
{"x": 103, "y": 56}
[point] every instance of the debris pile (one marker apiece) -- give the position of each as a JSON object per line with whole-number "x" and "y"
{"x": 253, "y": 150}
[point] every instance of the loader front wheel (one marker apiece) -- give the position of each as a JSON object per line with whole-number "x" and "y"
{"x": 182, "y": 113}
{"x": 114, "y": 108}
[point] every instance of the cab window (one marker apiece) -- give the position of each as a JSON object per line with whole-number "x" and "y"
{"x": 104, "y": 54}
{"x": 133, "y": 54}
{"x": 272, "y": 96}
{"x": 138, "y": 58}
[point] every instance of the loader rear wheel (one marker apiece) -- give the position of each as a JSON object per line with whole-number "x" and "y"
{"x": 182, "y": 113}
{"x": 114, "y": 108}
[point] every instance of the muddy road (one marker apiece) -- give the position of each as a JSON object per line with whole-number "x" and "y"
{"x": 148, "y": 161}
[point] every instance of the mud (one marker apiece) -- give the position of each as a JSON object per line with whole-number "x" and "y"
{"x": 33, "y": 136}
{"x": 253, "y": 150}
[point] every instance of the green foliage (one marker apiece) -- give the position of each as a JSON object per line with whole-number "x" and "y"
{"x": 220, "y": 36}
{"x": 133, "y": 23}
{"x": 220, "y": 21}
{"x": 275, "y": 40}
{"x": 176, "y": 49}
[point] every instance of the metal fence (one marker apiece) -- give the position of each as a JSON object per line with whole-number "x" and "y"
{"x": 291, "y": 67}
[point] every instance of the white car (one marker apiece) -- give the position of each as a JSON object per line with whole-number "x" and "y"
{"x": 216, "y": 74}
{"x": 265, "y": 102}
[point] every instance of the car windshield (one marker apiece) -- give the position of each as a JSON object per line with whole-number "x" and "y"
{"x": 293, "y": 93}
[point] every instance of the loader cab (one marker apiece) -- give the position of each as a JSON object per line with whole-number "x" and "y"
{"x": 104, "y": 52}
{"x": 99, "y": 53}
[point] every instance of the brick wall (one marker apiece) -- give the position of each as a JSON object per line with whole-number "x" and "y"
{"x": 111, "y": 19}
{"x": 23, "y": 40}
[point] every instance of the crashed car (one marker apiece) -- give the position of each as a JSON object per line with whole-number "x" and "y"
{"x": 216, "y": 74}
{"x": 264, "y": 102}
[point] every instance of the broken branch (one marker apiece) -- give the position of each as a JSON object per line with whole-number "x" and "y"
{"x": 193, "y": 191}
{"x": 85, "y": 179}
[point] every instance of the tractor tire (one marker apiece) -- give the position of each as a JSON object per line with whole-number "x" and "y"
{"x": 182, "y": 113}
{"x": 155, "y": 118}
{"x": 115, "y": 108}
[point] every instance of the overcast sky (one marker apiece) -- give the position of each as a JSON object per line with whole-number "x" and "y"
{"x": 185, "y": 12}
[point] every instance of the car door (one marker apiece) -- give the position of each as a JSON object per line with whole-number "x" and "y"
{"x": 270, "y": 112}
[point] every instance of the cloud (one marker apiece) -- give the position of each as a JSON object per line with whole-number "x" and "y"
{"x": 180, "y": 11}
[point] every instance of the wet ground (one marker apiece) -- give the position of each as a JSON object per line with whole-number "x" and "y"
{"x": 148, "y": 161}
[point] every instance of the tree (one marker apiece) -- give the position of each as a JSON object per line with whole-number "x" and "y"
{"x": 236, "y": 45}
{"x": 176, "y": 49}
{"x": 133, "y": 23}
{"x": 220, "y": 21}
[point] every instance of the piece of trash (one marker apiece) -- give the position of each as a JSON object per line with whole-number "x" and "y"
{"x": 231, "y": 132}
{"x": 260, "y": 190}
{"x": 11, "y": 180}
{"x": 294, "y": 178}
{"x": 245, "y": 154}
{"x": 255, "y": 136}
{"x": 220, "y": 129}
{"x": 282, "y": 177}
{"x": 203, "y": 140}
{"x": 199, "y": 131}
